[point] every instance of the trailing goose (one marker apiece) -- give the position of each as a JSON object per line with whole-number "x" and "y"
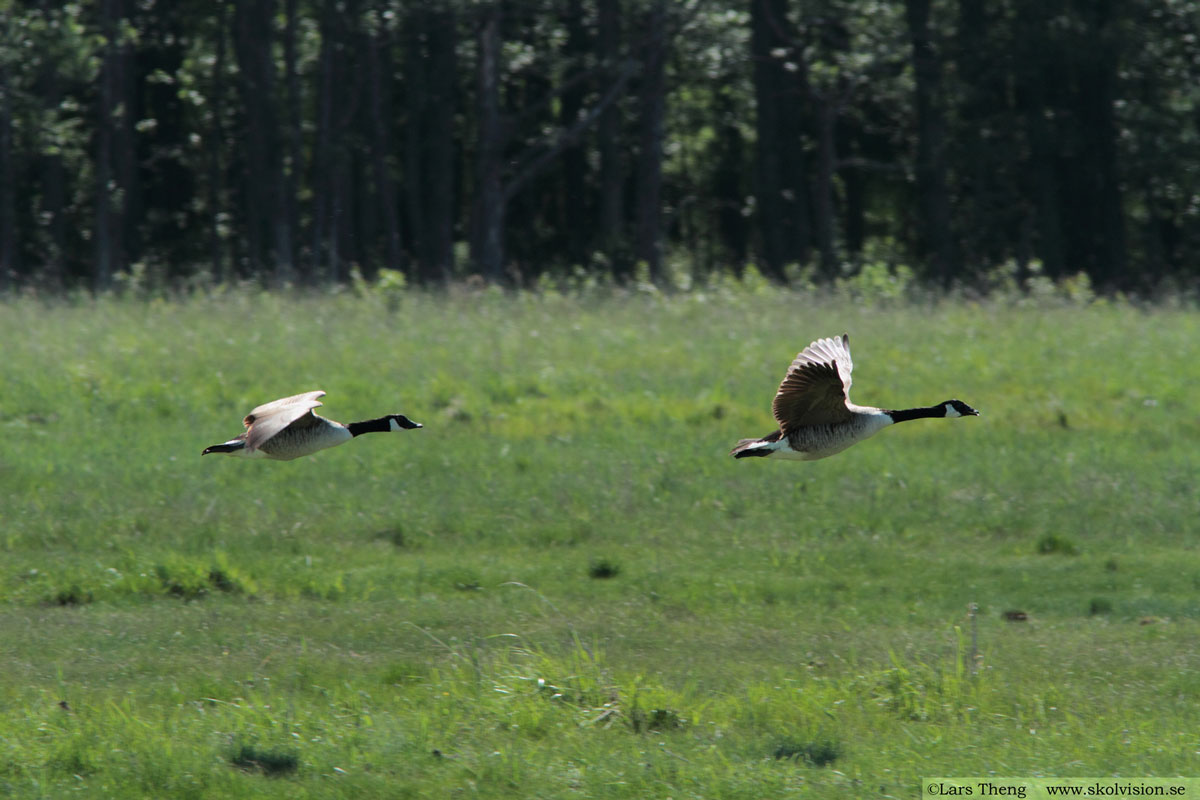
{"x": 815, "y": 415}
{"x": 287, "y": 428}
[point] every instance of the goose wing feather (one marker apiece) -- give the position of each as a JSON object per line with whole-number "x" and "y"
{"x": 827, "y": 351}
{"x": 816, "y": 387}
{"x": 269, "y": 419}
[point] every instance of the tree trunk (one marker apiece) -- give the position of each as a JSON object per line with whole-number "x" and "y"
{"x": 291, "y": 179}
{"x": 417, "y": 134}
{"x": 1037, "y": 58}
{"x": 652, "y": 99}
{"x": 825, "y": 218}
{"x": 53, "y": 178}
{"x": 269, "y": 233}
{"x": 333, "y": 167}
{"x": 1097, "y": 199}
{"x": 379, "y": 68}
{"x": 487, "y": 245}
{"x": 124, "y": 146}
{"x": 438, "y": 255}
{"x": 166, "y": 209}
{"x": 768, "y": 20}
{"x": 854, "y": 226}
{"x": 9, "y": 248}
{"x": 216, "y": 141}
{"x": 493, "y": 191}
{"x": 253, "y": 136}
{"x": 612, "y": 178}
{"x": 108, "y": 240}
{"x": 576, "y": 222}
{"x": 54, "y": 209}
{"x": 936, "y": 233}
{"x": 323, "y": 249}
{"x": 430, "y": 70}
{"x": 988, "y": 208}
{"x": 729, "y": 188}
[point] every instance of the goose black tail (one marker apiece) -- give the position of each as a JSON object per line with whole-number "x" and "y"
{"x": 746, "y": 449}
{"x": 224, "y": 447}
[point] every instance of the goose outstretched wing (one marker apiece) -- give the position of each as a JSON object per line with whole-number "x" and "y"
{"x": 270, "y": 418}
{"x": 816, "y": 387}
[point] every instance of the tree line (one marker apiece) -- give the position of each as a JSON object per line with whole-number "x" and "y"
{"x": 296, "y": 141}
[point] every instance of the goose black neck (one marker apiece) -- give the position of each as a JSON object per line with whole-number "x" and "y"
{"x": 381, "y": 425}
{"x": 905, "y": 414}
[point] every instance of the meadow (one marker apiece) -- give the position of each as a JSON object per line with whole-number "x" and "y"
{"x": 563, "y": 586}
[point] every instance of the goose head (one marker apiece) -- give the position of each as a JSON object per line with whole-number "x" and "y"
{"x": 957, "y": 408}
{"x": 398, "y": 422}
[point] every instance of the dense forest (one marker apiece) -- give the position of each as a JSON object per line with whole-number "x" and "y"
{"x": 296, "y": 141}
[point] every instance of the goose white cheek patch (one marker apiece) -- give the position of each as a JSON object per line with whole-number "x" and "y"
{"x": 951, "y": 411}
{"x": 394, "y": 426}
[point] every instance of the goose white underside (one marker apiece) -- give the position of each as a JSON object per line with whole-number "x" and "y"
{"x": 783, "y": 450}
{"x": 294, "y": 443}
{"x": 821, "y": 441}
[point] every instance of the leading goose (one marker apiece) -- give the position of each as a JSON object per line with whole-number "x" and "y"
{"x": 815, "y": 415}
{"x": 287, "y": 428}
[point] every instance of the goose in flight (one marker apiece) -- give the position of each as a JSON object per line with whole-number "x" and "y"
{"x": 287, "y": 428}
{"x": 816, "y": 418}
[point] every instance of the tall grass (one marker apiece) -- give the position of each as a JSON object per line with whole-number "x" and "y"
{"x": 562, "y": 585}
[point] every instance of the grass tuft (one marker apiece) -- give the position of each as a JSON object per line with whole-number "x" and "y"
{"x": 1099, "y": 605}
{"x": 72, "y": 596}
{"x": 272, "y": 763}
{"x": 603, "y": 569}
{"x": 395, "y": 535}
{"x": 657, "y": 720}
{"x": 405, "y": 672}
{"x": 223, "y": 582}
{"x": 1054, "y": 543}
{"x": 820, "y": 753}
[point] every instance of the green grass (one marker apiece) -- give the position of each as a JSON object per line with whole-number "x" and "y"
{"x": 563, "y": 586}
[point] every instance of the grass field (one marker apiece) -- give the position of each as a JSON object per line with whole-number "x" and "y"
{"x": 563, "y": 586}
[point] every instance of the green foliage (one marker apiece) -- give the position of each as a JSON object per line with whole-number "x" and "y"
{"x": 879, "y": 282}
{"x": 427, "y": 612}
{"x": 147, "y": 108}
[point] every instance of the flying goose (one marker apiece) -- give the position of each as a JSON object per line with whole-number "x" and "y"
{"x": 815, "y": 415}
{"x": 287, "y": 428}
